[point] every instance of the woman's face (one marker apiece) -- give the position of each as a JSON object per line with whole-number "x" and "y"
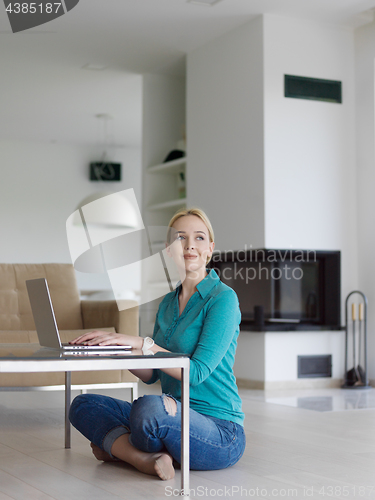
{"x": 193, "y": 234}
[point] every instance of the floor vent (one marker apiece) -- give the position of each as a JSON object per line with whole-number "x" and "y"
{"x": 315, "y": 366}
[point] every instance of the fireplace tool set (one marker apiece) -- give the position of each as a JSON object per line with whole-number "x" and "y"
{"x": 356, "y": 377}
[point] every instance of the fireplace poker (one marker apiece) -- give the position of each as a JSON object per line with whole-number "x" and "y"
{"x": 356, "y": 377}
{"x": 360, "y": 370}
{"x": 351, "y": 375}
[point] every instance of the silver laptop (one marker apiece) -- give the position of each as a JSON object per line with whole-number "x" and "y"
{"x": 45, "y": 321}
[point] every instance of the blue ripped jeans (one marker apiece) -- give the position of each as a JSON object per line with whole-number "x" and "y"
{"x": 214, "y": 443}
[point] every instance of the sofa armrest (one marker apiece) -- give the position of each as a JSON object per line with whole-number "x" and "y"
{"x": 105, "y": 313}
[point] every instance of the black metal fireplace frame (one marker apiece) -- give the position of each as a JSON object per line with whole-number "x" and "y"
{"x": 329, "y": 286}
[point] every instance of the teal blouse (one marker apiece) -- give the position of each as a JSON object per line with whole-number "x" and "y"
{"x": 207, "y": 330}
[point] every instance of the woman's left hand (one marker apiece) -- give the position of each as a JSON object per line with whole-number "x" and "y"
{"x": 99, "y": 337}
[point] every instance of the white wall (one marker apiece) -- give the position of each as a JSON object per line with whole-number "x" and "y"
{"x": 250, "y": 363}
{"x": 225, "y": 135}
{"x": 310, "y": 164}
{"x": 272, "y": 357}
{"x": 41, "y": 185}
{"x": 273, "y": 171}
{"x": 365, "y": 57}
{"x": 292, "y": 181}
{"x": 283, "y": 351}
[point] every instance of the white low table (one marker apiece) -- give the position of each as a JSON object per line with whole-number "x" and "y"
{"x": 29, "y": 358}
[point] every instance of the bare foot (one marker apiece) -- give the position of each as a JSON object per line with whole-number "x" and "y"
{"x": 164, "y": 467}
{"x": 100, "y": 454}
{"x": 157, "y": 464}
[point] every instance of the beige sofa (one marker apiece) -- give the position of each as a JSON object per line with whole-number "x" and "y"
{"x": 73, "y": 317}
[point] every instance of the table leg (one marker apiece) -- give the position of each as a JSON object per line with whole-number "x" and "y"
{"x": 68, "y": 397}
{"x": 185, "y": 432}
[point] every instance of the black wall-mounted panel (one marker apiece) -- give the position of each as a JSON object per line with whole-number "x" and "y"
{"x": 316, "y": 89}
{"x": 315, "y": 366}
{"x": 105, "y": 171}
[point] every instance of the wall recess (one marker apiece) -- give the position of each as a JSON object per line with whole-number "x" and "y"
{"x": 316, "y": 89}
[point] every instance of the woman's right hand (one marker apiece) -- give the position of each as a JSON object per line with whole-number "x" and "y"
{"x": 100, "y": 337}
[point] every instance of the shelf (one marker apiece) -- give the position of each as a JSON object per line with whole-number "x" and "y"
{"x": 170, "y": 167}
{"x": 168, "y": 204}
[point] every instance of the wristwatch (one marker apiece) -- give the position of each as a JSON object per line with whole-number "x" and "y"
{"x": 148, "y": 342}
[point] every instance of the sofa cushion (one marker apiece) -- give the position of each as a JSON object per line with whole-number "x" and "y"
{"x": 17, "y": 324}
{"x": 31, "y": 337}
{"x": 15, "y": 310}
{"x": 58, "y": 378}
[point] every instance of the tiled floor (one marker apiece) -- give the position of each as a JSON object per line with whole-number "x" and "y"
{"x": 294, "y": 450}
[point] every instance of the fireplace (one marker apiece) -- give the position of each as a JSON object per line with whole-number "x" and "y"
{"x": 283, "y": 289}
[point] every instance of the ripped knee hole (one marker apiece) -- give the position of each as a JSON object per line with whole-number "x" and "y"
{"x": 170, "y": 405}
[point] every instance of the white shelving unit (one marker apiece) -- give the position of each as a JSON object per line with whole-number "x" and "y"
{"x": 168, "y": 204}
{"x": 165, "y": 188}
{"x": 162, "y": 188}
{"x": 164, "y": 117}
{"x": 171, "y": 167}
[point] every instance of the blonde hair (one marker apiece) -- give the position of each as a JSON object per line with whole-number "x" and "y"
{"x": 192, "y": 211}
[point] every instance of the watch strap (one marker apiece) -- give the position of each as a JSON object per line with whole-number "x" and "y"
{"x": 148, "y": 342}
